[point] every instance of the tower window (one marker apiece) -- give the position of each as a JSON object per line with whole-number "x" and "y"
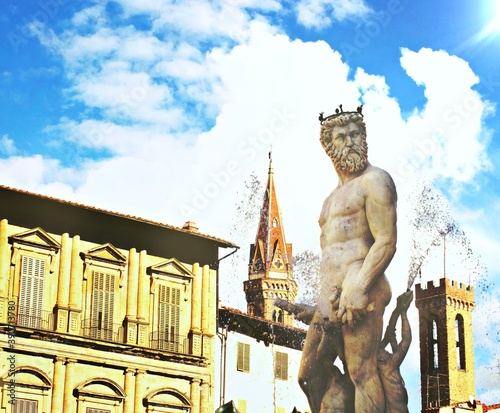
{"x": 433, "y": 350}
{"x": 278, "y": 316}
{"x": 460, "y": 340}
{"x": 275, "y": 223}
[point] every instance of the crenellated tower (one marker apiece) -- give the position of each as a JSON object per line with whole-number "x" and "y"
{"x": 446, "y": 350}
{"x": 270, "y": 272}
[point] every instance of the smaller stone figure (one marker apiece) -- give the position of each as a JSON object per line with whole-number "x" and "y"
{"x": 396, "y": 397}
{"x": 327, "y": 345}
{"x": 338, "y": 389}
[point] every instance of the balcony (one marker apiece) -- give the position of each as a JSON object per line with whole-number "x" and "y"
{"x": 161, "y": 340}
{"x": 158, "y": 340}
{"x": 35, "y": 318}
{"x": 102, "y": 331}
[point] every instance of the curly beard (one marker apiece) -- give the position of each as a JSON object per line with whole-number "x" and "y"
{"x": 351, "y": 159}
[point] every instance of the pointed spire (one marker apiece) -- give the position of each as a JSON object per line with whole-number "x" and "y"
{"x": 270, "y": 273}
{"x": 271, "y": 253}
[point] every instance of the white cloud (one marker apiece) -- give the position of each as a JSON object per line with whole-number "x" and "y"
{"x": 449, "y": 128}
{"x": 7, "y": 146}
{"x": 90, "y": 16}
{"x": 321, "y": 13}
{"x": 201, "y": 20}
{"x": 33, "y": 173}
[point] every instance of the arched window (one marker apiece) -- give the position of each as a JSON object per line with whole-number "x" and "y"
{"x": 32, "y": 389}
{"x": 460, "y": 340}
{"x": 280, "y": 316}
{"x": 433, "y": 350}
{"x": 167, "y": 400}
{"x": 100, "y": 395}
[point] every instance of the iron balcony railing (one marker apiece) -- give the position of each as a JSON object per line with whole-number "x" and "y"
{"x": 159, "y": 340}
{"x": 102, "y": 331}
{"x": 175, "y": 343}
{"x": 35, "y": 318}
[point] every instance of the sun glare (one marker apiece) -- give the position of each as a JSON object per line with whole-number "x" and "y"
{"x": 494, "y": 24}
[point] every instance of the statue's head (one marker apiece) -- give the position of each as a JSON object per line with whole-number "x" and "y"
{"x": 343, "y": 137}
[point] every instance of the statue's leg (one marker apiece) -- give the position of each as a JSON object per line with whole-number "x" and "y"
{"x": 361, "y": 350}
{"x": 314, "y": 375}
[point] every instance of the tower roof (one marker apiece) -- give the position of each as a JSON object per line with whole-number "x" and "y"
{"x": 270, "y": 255}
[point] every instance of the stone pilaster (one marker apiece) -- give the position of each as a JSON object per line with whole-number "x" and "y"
{"x": 69, "y": 402}
{"x": 131, "y": 311}
{"x": 143, "y": 288}
{"x": 205, "y": 300}
{"x": 63, "y": 285}
{"x": 75, "y": 287}
{"x": 195, "y": 395}
{"x": 76, "y": 275}
{"x": 132, "y": 282}
{"x": 196, "y": 311}
{"x": 4, "y": 258}
{"x": 58, "y": 385}
{"x": 143, "y": 301}
{"x": 139, "y": 385}
{"x": 205, "y": 406}
{"x": 129, "y": 387}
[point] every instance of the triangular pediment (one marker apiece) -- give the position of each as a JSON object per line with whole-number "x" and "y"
{"x": 106, "y": 252}
{"x": 172, "y": 267}
{"x": 36, "y": 237}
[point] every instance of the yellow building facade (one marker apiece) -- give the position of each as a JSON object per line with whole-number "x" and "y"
{"x": 93, "y": 322}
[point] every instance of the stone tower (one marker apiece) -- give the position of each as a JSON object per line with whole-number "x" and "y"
{"x": 446, "y": 350}
{"x": 270, "y": 267}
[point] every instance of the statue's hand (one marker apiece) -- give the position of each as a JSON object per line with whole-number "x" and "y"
{"x": 305, "y": 316}
{"x": 353, "y": 305}
{"x": 404, "y": 301}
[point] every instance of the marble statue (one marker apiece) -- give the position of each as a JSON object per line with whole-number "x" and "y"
{"x": 396, "y": 396}
{"x": 358, "y": 241}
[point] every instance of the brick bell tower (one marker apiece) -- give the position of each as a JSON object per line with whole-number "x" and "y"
{"x": 270, "y": 267}
{"x": 446, "y": 350}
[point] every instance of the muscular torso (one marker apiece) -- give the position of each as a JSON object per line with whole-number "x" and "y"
{"x": 346, "y": 237}
{"x": 345, "y": 234}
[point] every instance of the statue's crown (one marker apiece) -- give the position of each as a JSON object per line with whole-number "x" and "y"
{"x": 338, "y": 112}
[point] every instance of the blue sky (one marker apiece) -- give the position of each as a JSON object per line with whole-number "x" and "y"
{"x": 164, "y": 109}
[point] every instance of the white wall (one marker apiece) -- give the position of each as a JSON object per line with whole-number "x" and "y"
{"x": 262, "y": 392}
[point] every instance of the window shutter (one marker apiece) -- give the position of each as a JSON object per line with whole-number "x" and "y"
{"x": 103, "y": 304}
{"x": 281, "y": 365}
{"x": 168, "y": 318}
{"x": 31, "y": 292}
{"x": 25, "y": 406}
{"x": 93, "y": 410}
{"x": 243, "y": 357}
{"x": 242, "y": 406}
